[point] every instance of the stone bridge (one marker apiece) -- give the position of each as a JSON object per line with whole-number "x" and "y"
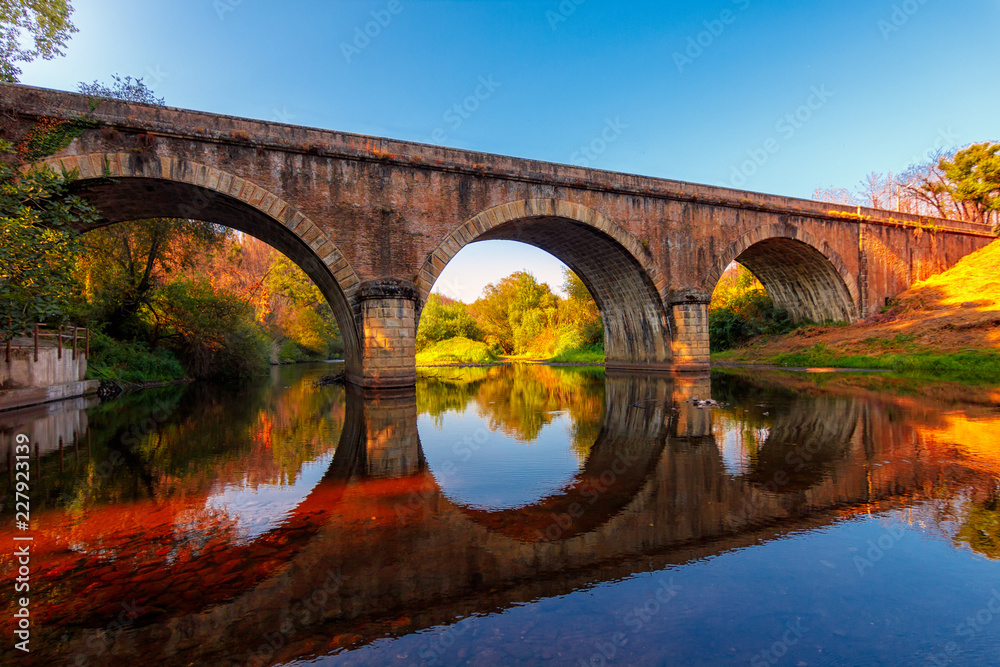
{"x": 374, "y": 221}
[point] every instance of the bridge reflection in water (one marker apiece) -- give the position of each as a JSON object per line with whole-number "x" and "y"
{"x": 380, "y": 545}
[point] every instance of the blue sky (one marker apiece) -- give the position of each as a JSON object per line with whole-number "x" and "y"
{"x": 691, "y": 91}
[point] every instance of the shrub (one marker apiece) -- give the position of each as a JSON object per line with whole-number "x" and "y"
{"x": 457, "y": 350}
{"x": 132, "y": 361}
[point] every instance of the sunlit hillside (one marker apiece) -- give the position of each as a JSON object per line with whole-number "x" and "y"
{"x": 957, "y": 310}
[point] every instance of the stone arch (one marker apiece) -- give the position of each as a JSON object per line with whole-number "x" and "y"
{"x": 617, "y": 269}
{"x": 131, "y": 186}
{"x": 802, "y": 273}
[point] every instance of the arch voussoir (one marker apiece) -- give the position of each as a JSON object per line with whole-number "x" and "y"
{"x": 617, "y": 268}
{"x": 841, "y": 293}
{"x": 129, "y": 165}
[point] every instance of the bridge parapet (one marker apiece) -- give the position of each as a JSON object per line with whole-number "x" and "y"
{"x": 354, "y": 210}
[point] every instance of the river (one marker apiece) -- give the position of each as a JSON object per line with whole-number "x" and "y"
{"x": 511, "y": 515}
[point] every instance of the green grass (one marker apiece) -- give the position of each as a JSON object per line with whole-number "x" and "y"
{"x": 456, "y": 351}
{"x": 975, "y": 367}
{"x": 592, "y": 354}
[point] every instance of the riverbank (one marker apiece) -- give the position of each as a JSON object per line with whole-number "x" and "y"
{"x": 945, "y": 327}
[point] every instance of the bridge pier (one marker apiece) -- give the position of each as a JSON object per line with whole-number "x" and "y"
{"x": 689, "y": 326}
{"x": 392, "y": 444}
{"x": 387, "y": 320}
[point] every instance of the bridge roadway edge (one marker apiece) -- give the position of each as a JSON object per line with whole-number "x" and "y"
{"x": 377, "y": 320}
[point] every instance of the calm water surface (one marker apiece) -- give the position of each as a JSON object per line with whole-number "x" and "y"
{"x": 512, "y": 515}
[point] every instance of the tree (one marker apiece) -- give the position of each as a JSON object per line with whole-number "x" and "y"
{"x": 876, "y": 190}
{"x": 443, "y": 318}
{"x": 38, "y": 246}
{"x": 127, "y": 89}
{"x": 924, "y": 191}
{"x": 504, "y": 311}
{"x": 580, "y": 310}
{"x": 214, "y": 333}
{"x": 44, "y": 24}
{"x": 127, "y": 262}
{"x": 835, "y": 196}
{"x": 973, "y": 181}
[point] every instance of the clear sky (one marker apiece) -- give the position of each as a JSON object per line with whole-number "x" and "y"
{"x": 691, "y": 91}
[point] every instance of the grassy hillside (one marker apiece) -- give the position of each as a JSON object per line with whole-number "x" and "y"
{"x": 947, "y": 325}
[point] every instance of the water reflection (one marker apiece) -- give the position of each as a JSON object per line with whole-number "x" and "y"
{"x": 287, "y": 522}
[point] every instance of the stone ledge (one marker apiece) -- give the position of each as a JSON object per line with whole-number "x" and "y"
{"x": 387, "y": 289}
{"x": 20, "y": 397}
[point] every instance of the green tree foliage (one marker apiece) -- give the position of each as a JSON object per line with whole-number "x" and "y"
{"x": 973, "y": 180}
{"x": 213, "y": 333}
{"x": 38, "y": 247}
{"x": 741, "y": 309}
{"x": 515, "y": 316}
{"x": 580, "y": 310}
{"x": 298, "y": 315}
{"x": 32, "y": 29}
{"x": 513, "y": 311}
{"x": 441, "y": 320}
{"x": 980, "y": 528}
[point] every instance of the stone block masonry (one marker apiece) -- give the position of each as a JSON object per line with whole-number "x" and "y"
{"x": 388, "y": 314}
{"x": 374, "y": 221}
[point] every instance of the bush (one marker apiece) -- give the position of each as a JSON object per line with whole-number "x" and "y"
{"x": 752, "y": 314}
{"x": 214, "y": 334}
{"x": 457, "y": 350}
{"x": 591, "y": 354}
{"x": 440, "y": 321}
{"x": 130, "y": 361}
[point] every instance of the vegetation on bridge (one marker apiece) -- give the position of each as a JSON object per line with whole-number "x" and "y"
{"x": 944, "y": 327}
{"x": 165, "y": 298}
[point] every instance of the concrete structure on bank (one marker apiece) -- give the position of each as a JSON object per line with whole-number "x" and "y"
{"x": 54, "y": 375}
{"x": 374, "y": 222}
